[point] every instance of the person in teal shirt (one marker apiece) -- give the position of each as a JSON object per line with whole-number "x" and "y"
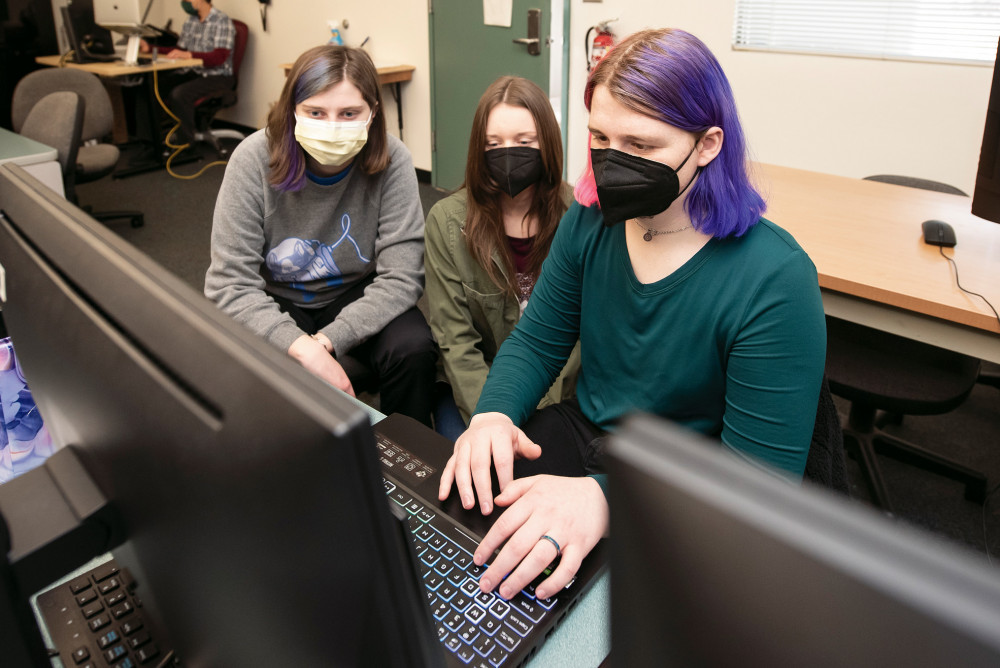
{"x": 687, "y": 303}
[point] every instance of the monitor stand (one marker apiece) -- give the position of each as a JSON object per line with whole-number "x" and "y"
{"x": 132, "y": 50}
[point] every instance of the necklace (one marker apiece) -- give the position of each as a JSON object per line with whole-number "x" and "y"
{"x": 650, "y": 233}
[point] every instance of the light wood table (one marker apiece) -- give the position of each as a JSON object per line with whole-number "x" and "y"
{"x": 388, "y": 75}
{"x": 874, "y": 268}
{"x": 118, "y": 68}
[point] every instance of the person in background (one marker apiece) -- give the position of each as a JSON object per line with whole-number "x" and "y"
{"x": 317, "y": 239}
{"x": 485, "y": 244}
{"x": 687, "y": 304}
{"x": 208, "y": 35}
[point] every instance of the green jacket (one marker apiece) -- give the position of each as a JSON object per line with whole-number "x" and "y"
{"x": 469, "y": 314}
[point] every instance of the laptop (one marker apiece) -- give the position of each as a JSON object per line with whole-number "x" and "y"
{"x": 475, "y": 628}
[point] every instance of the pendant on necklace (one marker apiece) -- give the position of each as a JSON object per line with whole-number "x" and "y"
{"x": 648, "y": 236}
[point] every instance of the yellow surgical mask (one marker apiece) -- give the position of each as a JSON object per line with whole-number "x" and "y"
{"x": 331, "y": 143}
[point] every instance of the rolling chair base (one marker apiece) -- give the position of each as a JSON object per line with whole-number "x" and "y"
{"x": 866, "y": 443}
{"x": 135, "y": 218}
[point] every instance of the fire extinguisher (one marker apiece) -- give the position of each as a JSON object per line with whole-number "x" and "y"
{"x": 603, "y": 40}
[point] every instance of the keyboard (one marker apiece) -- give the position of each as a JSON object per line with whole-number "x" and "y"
{"x": 481, "y": 629}
{"x": 95, "y": 617}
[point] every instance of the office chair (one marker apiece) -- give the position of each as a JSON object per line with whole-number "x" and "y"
{"x": 207, "y": 107}
{"x": 916, "y": 182}
{"x": 95, "y": 158}
{"x": 57, "y": 121}
{"x": 877, "y": 371}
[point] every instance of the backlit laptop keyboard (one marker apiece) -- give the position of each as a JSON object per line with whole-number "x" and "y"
{"x": 480, "y": 628}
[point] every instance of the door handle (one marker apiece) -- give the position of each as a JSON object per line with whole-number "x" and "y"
{"x": 532, "y": 40}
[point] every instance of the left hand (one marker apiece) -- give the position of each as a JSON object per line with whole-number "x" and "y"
{"x": 177, "y": 54}
{"x": 573, "y": 511}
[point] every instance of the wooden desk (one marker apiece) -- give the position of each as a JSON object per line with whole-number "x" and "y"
{"x": 390, "y": 75}
{"x": 119, "y": 68}
{"x": 874, "y": 268}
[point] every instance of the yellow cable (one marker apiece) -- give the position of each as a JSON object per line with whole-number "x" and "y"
{"x": 180, "y": 147}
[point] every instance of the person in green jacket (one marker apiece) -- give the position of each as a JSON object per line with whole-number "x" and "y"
{"x": 484, "y": 245}
{"x": 687, "y": 304}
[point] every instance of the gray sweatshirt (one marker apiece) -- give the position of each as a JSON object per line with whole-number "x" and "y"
{"x": 312, "y": 245}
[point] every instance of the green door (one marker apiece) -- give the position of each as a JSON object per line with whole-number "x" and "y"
{"x": 466, "y": 56}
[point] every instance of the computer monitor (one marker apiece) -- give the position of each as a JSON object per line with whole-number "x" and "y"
{"x": 717, "y": 563}
{"x": 249, "y": 491}
{"x": 986, "y": 197}
{"x": 128, "y": 18}
{"x": 88, "y": 41}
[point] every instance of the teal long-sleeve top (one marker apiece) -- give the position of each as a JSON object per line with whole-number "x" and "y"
{"x": 731, "y": 344}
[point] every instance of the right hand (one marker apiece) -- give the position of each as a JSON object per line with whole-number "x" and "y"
{"x": 311, "y": 354}
{"x": 490, "y": 437}
{"x": 144, "y": 46}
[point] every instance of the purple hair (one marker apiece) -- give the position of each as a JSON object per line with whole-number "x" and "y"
{"x": 313, "y": 81}
{"x": 670, "y": 75}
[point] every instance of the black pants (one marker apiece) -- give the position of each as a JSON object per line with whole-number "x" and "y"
{"x": 571, "y": 444}
{"x": 181, "y": 91}
{"x": 403, "y": 354}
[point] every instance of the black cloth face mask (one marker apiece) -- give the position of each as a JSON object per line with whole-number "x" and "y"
{"x": 632, "y": 187}
{"x": 515, "y": 168}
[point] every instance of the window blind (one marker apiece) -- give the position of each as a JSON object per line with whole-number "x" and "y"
{"x": 964, "y": 31}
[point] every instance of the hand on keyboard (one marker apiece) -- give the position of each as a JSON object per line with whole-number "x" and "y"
{"x": 569, "y": 512}
{"x": 490, "y": 438}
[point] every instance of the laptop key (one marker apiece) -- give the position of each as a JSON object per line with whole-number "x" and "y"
{"x": 518, "y": 623}
{"x": 465, "y": 653}
{"x": 446, "y": 591}
{"x": 468, "y": 633}
{"x": 500, "y": 608}
{"x": 484, "y": 645}
{"x": 460, "y": 603}
{"x": 441, "y": 609}
{"x": 489, "y": 625}
{"x": 528, "y": 607}
{"x": 454, "y": 621}
{"x": 507, "y": 639}
{"x": 474, "y": 614}
{"x": 498, "y": 656}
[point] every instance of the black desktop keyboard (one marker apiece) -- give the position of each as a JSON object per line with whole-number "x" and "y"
{"x": 94, "y": 621}
{"x": 481, "y": 629}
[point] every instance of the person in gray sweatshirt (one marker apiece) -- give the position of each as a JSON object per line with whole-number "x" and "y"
{"x": 317, "y": 238}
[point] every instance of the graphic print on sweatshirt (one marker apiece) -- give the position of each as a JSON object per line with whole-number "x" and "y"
{"x": 296, "y": 261}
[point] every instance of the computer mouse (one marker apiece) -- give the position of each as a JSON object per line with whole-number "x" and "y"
{"x": 938, "y": 233}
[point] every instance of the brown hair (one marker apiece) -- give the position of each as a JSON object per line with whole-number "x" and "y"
{"x": 484, "y": 229}
{"x": 315, "y": 71}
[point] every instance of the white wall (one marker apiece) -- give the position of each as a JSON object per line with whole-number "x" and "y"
{"x": 398, "y": 35}
{"x": 848, "y": 116}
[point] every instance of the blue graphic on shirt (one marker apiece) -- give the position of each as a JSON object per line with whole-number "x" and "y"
{"x": 296, "y": 261}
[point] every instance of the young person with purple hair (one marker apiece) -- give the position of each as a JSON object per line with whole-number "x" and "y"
{"x": 317, "y": 239}
{"x": 687, "y": 303}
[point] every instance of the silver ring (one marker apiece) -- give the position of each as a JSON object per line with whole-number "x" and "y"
{"x": 553, "y": 541}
